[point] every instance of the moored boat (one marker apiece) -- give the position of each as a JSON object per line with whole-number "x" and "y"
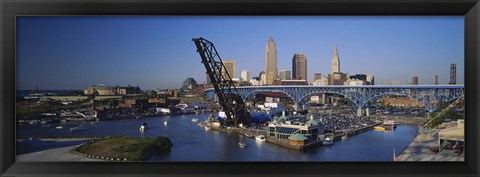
{"x": 59, "y": 127}
{"x": 194, "y": 120}
{"x": 389, "y": 124}
{"x": 328, "y": 141}
{"x": 248, "y": 135}
{"x": 379, "y": 128}
{"x": 260, "y": 138}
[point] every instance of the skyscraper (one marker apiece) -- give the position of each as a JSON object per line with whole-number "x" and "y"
{"x": 415, "y": 80}
{"x": 453, "y": 74}
{"x": 270, "y": 62}
{"x": 335, "y": 61}
{"x": 436, "y": 79}
{"x": 229, "y": 67}
{"x": 245, "y": 75}
{"x": 285, "y": 75}
{"x": 299, "y": 67}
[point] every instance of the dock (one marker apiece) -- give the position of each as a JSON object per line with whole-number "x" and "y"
{"x": 285, "y": 143}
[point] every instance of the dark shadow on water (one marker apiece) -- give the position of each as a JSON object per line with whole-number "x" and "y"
{"x": 35, "y": 145}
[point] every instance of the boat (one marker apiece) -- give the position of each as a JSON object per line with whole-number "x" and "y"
{"x": 260, "y": 138}
{"x": 144, "y": 127}
{"x": 207, "y": 128}
{"x": 379, "y": 128}
{"x": 47, "y": 125}
{"x": 59, "y": 127}
{"x": 328, "y": 141}
{"x": 389, "y": 124}
{"x": 194, "y": 120}
{"x": 79, "y": 128}
{"x": 165, "y": 123}
{"x": 242, "y": 145}
{"x": 248, "y": 135}
{"x": 344, "y": 137}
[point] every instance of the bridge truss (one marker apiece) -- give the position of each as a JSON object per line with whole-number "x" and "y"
{"x": 230, "y": 100}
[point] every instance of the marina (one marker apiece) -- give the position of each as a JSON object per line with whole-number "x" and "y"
{"x": 195, "y": 143}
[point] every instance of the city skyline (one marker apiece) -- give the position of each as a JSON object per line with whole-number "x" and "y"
{"x": 77, "y": 52}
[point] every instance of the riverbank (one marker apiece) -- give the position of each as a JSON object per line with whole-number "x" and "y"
{"x": 50, "y": 149}
{"x": 123, "y": 148}
{"x": 419, "y": 149}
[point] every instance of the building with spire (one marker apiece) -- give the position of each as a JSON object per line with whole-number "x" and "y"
{"x": 335, "y": 61}
{"x": 271, "y": 72}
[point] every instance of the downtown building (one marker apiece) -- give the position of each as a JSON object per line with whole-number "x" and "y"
{"x": 336, "y": 77}
{"x": 285, "y": 75}
{"x": 245, "y": 76}
{"x": 299, "y": 67}
{"x": 415, "y": 80}
{"x": 229, "y": 68}
{"x": 271, "y": 71}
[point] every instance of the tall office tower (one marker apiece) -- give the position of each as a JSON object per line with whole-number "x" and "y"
{"x": 453, "y": 74}
{"x": 245, "y": 75}
{"x": 285, "y": 74}
{"x": 415, "y": 80}
{"x": 436, "y": 79}
{"x": 229, "y": 67}
{"x": 299, "y": 67}
{"x": 335, "y": 61}
{"x": 270, "y": 62}
{"x": 370, "y": 79}
{"x": 317, "y": 76}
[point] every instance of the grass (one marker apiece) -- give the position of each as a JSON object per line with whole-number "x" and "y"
{"x": 121, "y": 147}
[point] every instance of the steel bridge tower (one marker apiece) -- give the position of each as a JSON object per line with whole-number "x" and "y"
{"x": 225, "y": 89}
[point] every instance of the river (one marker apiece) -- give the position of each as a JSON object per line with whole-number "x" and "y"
{"x": 193, "y": 143}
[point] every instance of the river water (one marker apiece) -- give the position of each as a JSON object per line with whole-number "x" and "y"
{"x": 193, "y": 143}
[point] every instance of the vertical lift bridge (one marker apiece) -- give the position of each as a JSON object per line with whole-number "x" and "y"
{"x": 228, "y": 96}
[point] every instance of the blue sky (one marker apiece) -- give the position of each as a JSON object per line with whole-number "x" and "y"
{"x": 74, "y": 52}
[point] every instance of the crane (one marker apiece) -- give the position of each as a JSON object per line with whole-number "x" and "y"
{"x": 228, "y": 96}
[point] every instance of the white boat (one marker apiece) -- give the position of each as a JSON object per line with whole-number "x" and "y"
{"x": 79, "y": 128}
{"x": 260, "y": 138}
{"x": 207, "y": 128}
{"x": 328, "y": 141}
{"x": 194, "y": 120}
{"x": 248, "y": 135}
{"x": 165, "y": 123}
{"x": 344, "y": 137}
{"x": 59, "y": 127}
{"x": 242, "y": 145}
{"x": 144, "y": 127}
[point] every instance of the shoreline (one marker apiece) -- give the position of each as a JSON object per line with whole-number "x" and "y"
{"x": 55, "y": 153}
{"x": 419, "y": 149}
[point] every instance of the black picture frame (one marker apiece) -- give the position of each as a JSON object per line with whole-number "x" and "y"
{"x": 10, "y": 9}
